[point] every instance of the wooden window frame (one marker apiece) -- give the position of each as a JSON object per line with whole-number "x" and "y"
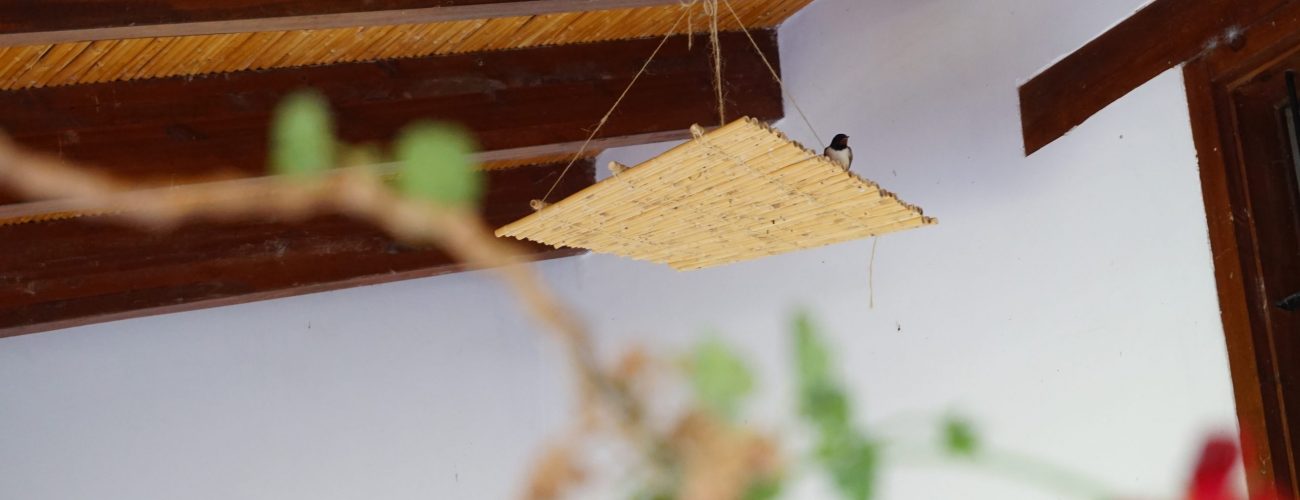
{"x": 1222, "y": 44}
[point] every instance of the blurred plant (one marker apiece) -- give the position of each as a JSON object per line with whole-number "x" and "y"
{"x": 847, "y": 454}
{"x": 843, "y": 452}
{"x": 705, "y": 452}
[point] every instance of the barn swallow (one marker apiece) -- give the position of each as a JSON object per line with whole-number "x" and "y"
{"x": 840, "y": 152}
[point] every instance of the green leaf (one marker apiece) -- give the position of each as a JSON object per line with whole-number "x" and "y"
{"x": 959, "y": 437}
{"x": 720, "y": 378}
{"x": 821, "y": 400}
{"x": 847, "y": 454}
{"x": 854, "y": 470}
{"x": 826, "y": 407}
{"x": 767, "y": 488}
{"x": 812, "y": 358}
{"x": 437, "y": 164}
{"x": 302, "y": 136}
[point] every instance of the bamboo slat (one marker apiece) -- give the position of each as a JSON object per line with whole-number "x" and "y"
{"x": 84, "y": 62}
{"x": 740, "y": 192}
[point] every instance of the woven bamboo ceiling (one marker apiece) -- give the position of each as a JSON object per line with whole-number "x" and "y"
{"x": 169, "y": 91}
{"x": 40, "y": 65}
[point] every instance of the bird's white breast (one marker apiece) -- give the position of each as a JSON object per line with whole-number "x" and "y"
{"x": 844, "y": 156}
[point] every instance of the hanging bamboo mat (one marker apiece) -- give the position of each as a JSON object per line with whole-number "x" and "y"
{"x": 112, "y": 60}
{"x": 741, "y": 192}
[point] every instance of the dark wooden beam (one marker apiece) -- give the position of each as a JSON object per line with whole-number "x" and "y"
{"x": 56, "y": 21}
{"x": 530, "y": 101}
{"x": 520, "y": 103}
{"x": 88, "y": 270}
{"x": 1162, "y": 35}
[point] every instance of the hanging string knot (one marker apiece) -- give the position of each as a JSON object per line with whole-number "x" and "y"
{"x": 687, "y": 5}
{"x": 711, "y": 8}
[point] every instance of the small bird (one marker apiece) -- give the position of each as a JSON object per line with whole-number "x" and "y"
{"x": 840, "y": 152}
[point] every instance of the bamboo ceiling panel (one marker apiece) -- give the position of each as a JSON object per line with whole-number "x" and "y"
{"x": 741, "y": 192}
{"x": 36, "y": 66}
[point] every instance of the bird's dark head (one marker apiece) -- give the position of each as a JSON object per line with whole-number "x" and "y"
{"x": 840, "y": 141}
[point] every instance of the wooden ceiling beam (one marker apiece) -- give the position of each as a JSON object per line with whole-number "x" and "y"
{"x": 88, "y": 270}
{"x": 58, "y": 21}
{"x": 1162, "y": 35}
{"x": 519, "y": 104}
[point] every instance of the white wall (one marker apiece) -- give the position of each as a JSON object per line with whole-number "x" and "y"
{"x": 1066, "y": 302}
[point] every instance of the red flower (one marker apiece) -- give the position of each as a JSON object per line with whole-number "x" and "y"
{"x": 1212, "y": 479}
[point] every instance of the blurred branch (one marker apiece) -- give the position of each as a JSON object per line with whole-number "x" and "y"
{"x": 360, "y": 192}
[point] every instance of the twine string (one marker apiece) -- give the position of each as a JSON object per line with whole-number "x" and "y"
{"x": 605, "y": 119}
{"x": 712, "y": 9}
{"x": 775, "y": 74}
